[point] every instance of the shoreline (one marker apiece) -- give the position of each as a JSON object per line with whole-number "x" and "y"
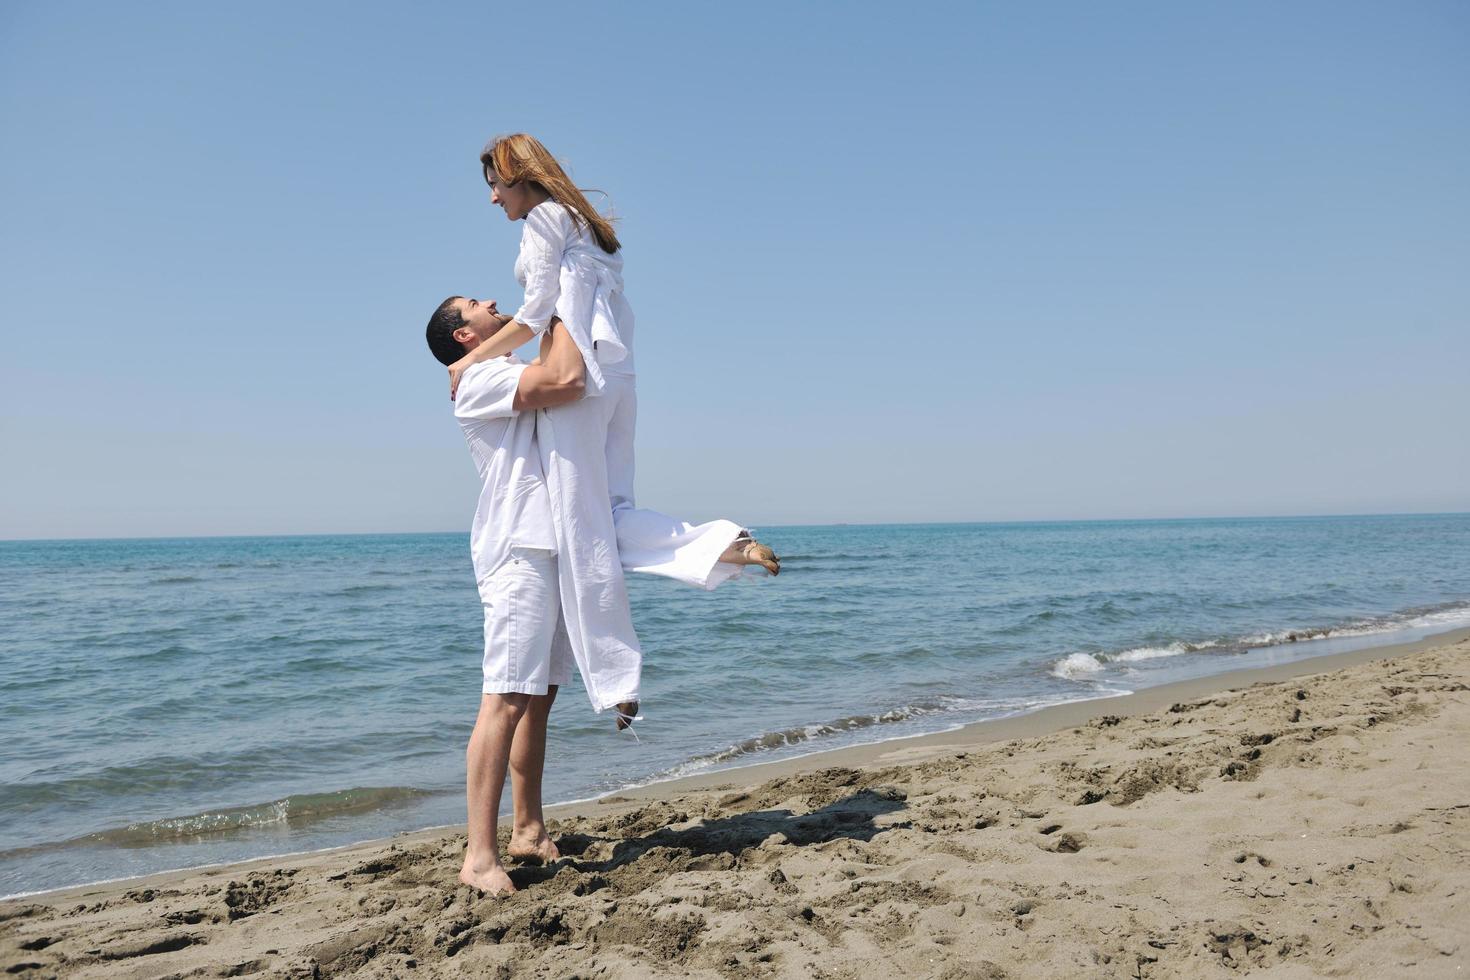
{"x": 900, "y": 750}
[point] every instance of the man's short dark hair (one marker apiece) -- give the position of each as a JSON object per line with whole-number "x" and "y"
{"x": 442, "y": 324}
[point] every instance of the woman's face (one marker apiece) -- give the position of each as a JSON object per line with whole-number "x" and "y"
{"x": 516, "y": 200}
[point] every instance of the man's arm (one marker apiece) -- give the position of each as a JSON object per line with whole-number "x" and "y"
{"x": 543, "y": 242}
{"x": 510, "y": 336}
{"x": 559, "y": 378}
{"x": 543, "y": 349}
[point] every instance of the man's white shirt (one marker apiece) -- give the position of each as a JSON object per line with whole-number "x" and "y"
{"x": 514, "y": 510}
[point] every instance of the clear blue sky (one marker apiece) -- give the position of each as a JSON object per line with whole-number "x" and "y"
{"x": 890, "y": 262}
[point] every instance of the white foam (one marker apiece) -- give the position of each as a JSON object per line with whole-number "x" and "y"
{"x": 1084, "y": 666}
{"x": 1077, "y": 665}
{"x": 1150, "y": 653}
{"x": 1009, "y": 708}
{"x": 1444, "y": 618}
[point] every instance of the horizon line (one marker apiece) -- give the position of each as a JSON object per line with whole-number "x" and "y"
{"x": 998, "y": 523}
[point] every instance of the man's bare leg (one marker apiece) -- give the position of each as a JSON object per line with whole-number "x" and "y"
{"x": 486, "y": 759}
{"x": 529, "y": 840}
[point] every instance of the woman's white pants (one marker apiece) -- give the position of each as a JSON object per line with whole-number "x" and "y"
{"x": 587, "y": 454}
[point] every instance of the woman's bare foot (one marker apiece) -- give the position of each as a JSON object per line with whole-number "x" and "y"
{"x": 491, "y": 880}
{"x": 533, "y": 849}
{"x": 748, "y": 551}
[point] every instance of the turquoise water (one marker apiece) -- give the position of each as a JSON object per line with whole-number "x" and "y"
{"x": 172, "y": 703}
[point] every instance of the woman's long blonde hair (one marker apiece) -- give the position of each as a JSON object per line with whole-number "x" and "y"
{"x": 520, "y": 156}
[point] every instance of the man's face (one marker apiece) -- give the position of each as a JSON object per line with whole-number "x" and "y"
{"x": 515, "y": 199}
{"x": 481, "y": 320}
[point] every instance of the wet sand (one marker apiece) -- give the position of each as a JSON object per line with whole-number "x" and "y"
{"x": 1312, "y": 818}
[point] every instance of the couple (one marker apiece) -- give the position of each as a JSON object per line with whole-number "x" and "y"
{"x": 556, "y": 525}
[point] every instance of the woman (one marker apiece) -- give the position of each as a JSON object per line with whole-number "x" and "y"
{"x": 570, "y": 265}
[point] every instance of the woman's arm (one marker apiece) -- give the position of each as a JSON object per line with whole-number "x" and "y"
{"x": 502, "y": 342}
{"x": 543, "y": 241}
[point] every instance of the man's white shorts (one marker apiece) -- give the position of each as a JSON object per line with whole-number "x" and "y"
{"x": 526, "y": 645}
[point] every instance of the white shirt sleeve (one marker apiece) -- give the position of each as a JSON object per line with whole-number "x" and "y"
{"x": 488, "y": 390}
{"x": 543, "y": 242}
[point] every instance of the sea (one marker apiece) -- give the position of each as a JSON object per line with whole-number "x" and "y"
{"x": 174, "y": 703}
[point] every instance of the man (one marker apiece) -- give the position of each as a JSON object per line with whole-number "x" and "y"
{"x": 528, "y": 654}
{"x": 513, "y": 547}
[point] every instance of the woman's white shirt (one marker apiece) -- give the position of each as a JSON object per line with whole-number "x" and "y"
{"x": 564, "y": 272}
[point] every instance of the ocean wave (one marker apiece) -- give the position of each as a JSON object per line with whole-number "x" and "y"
{"x": 767, "y": 741}
{"x": 360, "y": 589}
{"x": 797, "y": 735}
{"x": 290, "y": 811}
{"x": 1076, "y": 666}
{"x": 1442, "y": 616}
{"x": 161, "y": 773}
{"x": 1445, "y": 616}
{"x": 1448, "y": 615}
{"x": 741, "y": 753}
{"x": 884, "y": 656}
{"x": 163, "y": 654}
{"x": 1153, "y": 653}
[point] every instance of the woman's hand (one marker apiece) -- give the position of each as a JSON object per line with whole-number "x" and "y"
{"x": 456, "y": 371}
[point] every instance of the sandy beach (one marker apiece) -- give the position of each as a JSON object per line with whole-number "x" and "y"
{"x": 1310, "y": 819}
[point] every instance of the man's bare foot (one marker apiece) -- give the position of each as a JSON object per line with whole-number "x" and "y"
{"x": 533, "y": 850}
{"x": 746, "y": 550}
{"x": 492, "y": 880}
